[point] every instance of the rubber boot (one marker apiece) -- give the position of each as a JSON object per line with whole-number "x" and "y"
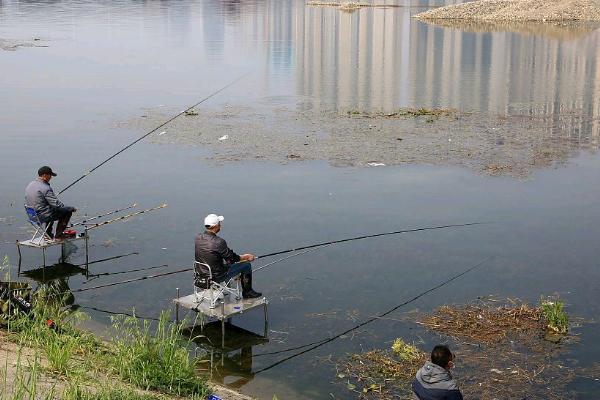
{"x": 62, "y": 225}
{"x": 247, "y": 291}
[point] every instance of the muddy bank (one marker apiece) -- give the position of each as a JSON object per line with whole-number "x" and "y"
{"x": 498, "y": 145}
{"x": 518, "y": 10}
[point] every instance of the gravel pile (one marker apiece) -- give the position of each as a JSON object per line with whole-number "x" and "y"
{"x": 518, "y": 10}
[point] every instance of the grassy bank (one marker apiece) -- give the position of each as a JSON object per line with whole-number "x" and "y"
{"x": 46, "y": 357}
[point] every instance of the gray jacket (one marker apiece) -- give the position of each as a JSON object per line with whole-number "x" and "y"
{"x": 435, "y": 383}
{"x": 40, "y": 196}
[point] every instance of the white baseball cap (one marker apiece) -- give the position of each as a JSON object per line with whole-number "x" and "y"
{"x": 212, "y": 220}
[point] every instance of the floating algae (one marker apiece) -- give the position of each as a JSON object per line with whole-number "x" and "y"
{"x": 501, "y": 353}
{"x": 513, "y": 144}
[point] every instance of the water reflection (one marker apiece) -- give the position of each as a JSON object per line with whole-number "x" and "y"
{"x": 232, "y": 363}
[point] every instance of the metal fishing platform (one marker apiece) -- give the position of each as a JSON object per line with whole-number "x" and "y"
{"x": 228, "y": 307}
{"x": 43, "y": 243}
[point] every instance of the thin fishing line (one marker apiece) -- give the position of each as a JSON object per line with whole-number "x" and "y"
{"x": 152, "y": 131}
{"x": 116, "y": 312}
{"x": 288, "y": 257}
{"x": 375, "y": 318}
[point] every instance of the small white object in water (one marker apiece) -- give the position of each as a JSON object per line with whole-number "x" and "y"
{"x": 162, "y": 133}
{"x": 496, "y": 371}
{"x": 376, "y": 164}
{"x": 164, "y": 248}
{"x": 224, "y": 137}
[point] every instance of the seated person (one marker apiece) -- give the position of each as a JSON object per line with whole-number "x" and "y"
{"x": 224, "y": 262}
{"x": 40, "y": 196}
{"x": 434, "y": 380}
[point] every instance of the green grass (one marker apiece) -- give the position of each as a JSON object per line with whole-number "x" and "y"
{"x": 155, "y": 358}
{"x": 555, "y": 316}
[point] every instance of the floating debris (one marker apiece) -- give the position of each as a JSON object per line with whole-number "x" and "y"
{"x": 376, "y": 164}
{"x": 191, "y": 113}
{"x": 224, "y": 137}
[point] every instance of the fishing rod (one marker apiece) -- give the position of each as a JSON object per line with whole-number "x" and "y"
{"x": 131, "y": 280}
{"x": 151, "y": 132}
{"x": 323, "y": 342}
{"x": 372, "y": 236}
{"x": 307, "y": 248}
{"x": 126, "y": 271}
{"x": 123, "y": 217}
{"x": 84, "y": 221}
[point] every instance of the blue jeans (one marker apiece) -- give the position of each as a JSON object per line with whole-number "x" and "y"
{"x": 243, "y": 267}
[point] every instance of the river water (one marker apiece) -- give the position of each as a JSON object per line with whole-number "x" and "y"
{"x": 72, "y": 71}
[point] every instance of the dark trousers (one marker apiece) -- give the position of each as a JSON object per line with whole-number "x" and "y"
{"x": 243, "y": 268}
{"x": 63, "y": 217}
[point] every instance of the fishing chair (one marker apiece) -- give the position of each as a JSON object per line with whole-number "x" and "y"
{"x": 40, "y": 235}
{"x": 206, "y": 288}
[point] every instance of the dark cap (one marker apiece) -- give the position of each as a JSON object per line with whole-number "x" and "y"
{"x": 45, "y": 170}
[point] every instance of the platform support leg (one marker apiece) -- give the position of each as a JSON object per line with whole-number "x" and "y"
{"x": 266, "y": 320}
{"x": 44, "y": 264}
{"x": 19, "y": 250}
{"x": 223, "y": 325}
{"x": 62, "y": 253}
{"x": 177, "y": 309}
{"x": 87, "y": 255}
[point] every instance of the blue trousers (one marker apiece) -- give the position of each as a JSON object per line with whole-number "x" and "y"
{"x": 243, "y": 267}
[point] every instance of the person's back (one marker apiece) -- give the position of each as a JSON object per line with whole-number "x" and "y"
{"x": 434, "y": 381}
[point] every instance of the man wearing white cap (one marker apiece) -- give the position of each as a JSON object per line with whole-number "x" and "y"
{"x": 224, "y": 262}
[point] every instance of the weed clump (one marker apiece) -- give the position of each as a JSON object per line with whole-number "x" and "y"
{"x": 405, "y": 351}
{"x": 382, "y": 374}
{"x": 154, "y": 359}
{"x": 484, "y": 322}
{"x": 555, "y": 316}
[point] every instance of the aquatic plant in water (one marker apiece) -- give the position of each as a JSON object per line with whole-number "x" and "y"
{"x": 405, "y": 351}
{"x": 555, "y": 316}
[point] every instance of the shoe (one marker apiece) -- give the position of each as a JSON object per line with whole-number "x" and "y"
{"x": 251, "y": 294}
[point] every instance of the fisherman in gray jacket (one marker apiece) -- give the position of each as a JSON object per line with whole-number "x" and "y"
{"x": 40, "y": 196}
{"x": 434, "y": 380}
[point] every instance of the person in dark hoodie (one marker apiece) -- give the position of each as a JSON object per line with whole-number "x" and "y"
{"x": 434, "y": 380}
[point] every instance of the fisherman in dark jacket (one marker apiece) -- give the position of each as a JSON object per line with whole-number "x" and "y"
{"x": 433, "y": 380}
{"x": 224, "y": 262}
{"x": 40, "y": 196}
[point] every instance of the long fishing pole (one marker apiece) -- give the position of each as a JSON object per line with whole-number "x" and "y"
{"x": 308, "y": 248}
{"x": 86, "y": 220}
{"x": 131, "y": 280}
{"x": 372, "y": 236}
{"x": 151, "y": 132}
{"x": 123, "y": 217}
{"x": 128, "y": 271}
{"x": 371, "y": 319}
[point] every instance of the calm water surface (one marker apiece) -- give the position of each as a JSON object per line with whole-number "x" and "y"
{"x": 109, "y": 61}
